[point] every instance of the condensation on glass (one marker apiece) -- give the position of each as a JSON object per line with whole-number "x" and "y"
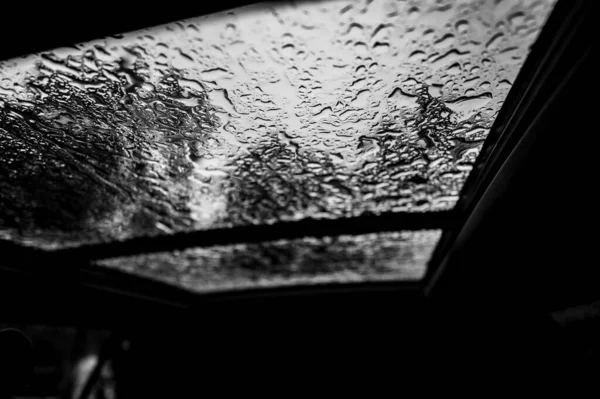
{"x": 258, "y": 115}
{"x": 398, "y": 256}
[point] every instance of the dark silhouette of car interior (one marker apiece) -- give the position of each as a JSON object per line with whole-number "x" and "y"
{"x": 509, "y": 295}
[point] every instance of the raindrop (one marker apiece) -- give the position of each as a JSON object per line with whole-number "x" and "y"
{"x": 381, "y": 48}
{"x": 435, "y": 90}
{"x": 462, "y": 26}
{"x": 413, "y": 13}
{"x": 444, "y": 41}
{"x": 361, "y": 98}
{"x": 470, "y": 82}
{"x": 221, "y": 98}
{"x": 360, "y": 69}
{"x": 230, "y": 30}
{"x": 516, "y": 18}
{"x": 449, "y": 57}
{"x": 468, "y": 105}
{"x": 494, "y": 41}
{"x": 416, "y": 55}
{"x": 214, "y": 74}
{"x": 361, "y": 48}
{"x": 509, "y": 56}
{"x": 354, "y": 29}
{"x": 323, "y": 113}
{"x": 359, "y": 82}
{"x": 288, "y": 50}
{"x": 454, "y": 69}
{"x": 345, "y": 9}
{"x": 504, "y": 84}
{"x": 380, "y": 31}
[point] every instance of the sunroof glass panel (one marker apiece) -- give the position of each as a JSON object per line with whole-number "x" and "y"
{"x": 399, "y": 256}
{"x": 263, "y": 114}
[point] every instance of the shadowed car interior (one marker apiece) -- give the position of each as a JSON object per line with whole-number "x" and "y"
{"x": 286, "y": 197}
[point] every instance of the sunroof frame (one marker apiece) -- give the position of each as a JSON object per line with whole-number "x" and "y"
{"x": 524, "y": 102}
{"x": 549, "y": 61}
{"x": 545, "y": 76}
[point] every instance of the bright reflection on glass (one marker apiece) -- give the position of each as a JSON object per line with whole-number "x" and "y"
{"x": 262, "y": 114}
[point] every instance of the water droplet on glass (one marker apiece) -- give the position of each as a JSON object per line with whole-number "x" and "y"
{"x": 462, "y": 26}
{"x": 307, "y": 110}
{"x": 414, "y": 13}
{"x": 494, "y": 41}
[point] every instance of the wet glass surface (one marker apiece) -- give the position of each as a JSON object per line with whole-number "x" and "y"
{"x": 262, "y": 114}
{"x": 342, "y": 259}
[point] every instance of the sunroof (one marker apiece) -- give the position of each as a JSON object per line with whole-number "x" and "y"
{"x": 264, "y": 114}
{"x": 338, "y": 259}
